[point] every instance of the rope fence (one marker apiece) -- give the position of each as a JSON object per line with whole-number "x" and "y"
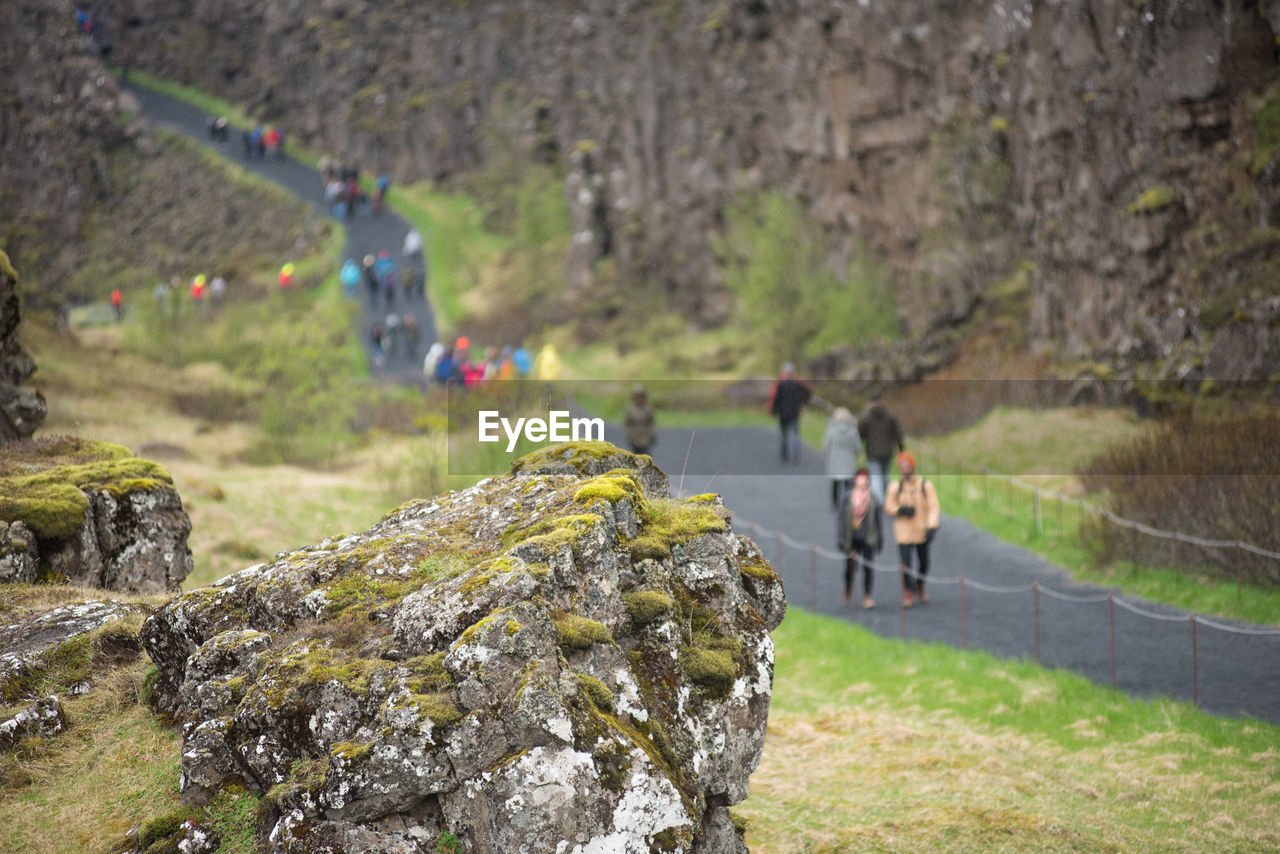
{"x": 780, "y": 539}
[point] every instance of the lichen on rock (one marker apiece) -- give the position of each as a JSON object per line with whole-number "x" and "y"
{"x": 558, "y": 659}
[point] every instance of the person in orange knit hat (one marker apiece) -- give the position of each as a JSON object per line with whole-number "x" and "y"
{"x": 912, "y": 502}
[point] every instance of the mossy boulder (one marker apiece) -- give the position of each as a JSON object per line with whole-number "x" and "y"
{"x": 552, "y": 654}
{"x": 99, "y": 516}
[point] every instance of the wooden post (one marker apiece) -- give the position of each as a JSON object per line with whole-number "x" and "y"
{"x": 1035, "y": 598}
{"x": 1195, "y": 666}
{"x": 1035, "y": 499}
{"x": 813, "y": 577}
{"x": 1111, "y": 607}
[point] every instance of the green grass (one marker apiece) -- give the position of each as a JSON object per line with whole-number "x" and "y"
{"x": 878, "y": 745}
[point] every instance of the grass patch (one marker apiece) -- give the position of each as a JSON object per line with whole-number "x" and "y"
{"x": 875, "y": 744}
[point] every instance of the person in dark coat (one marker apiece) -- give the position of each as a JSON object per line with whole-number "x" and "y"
{"x": 787, "y": 400}
{"x": 859, "y": 534}
{"x": 638, "y": 422}
{"x": 882, "y": 437}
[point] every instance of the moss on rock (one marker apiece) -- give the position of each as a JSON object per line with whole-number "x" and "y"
{"x": 712, "y": 668}
{"x": 671, "y": 523}
{"x": 596, "y": 691}
{"x": 577, "y": 633}
{"x": 645, "y": 606}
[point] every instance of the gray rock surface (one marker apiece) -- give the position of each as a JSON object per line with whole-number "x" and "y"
{"x": 564, "y": 661}
{"x": 44, "y": 718}
{"x": 21, "y": 409}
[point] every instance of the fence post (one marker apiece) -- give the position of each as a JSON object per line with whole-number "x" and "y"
{"x": 1035, "y": 598}
{"x": 813, "y": 577}
{"x": 902, "y": 604}
{"x": 1236, "y": 551}
{"x": 1039, "y": 520}
{"x": 964, "y": 618}
{"x": 1195, "y": 666}
{"x": 1111, "y": 607}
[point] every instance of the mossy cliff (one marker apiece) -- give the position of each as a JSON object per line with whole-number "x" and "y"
{"x": 89, "y": 513}
{"x": 559, "y": 653}
{"x": 21, "y": 410}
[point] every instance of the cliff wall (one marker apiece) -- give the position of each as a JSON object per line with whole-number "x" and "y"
{"x": 1121, "y": 153}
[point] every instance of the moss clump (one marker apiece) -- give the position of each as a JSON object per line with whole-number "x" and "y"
{"x": 61, "y": 667}
{"x": 439, "y": 708}
{"x": 577, "y": 633}
{"x": 711, "y": 668}
{"x": 645, "y": 606}
{"x": 674, "y": 522}
{"x": 350, "y": 751}
{"x": 513, "y": 627}
{"x": 597, "y": 692}
{"x": 44, "y": 483}
{"x": 612, "y": 487}
{"x": 552, "y": 533}
{"x": 578, "y": 455}
{"x": 1154, "y": 199}
{"x": 6, "y": 268}
{"x": 162, "y": 828}
{"x": 430, "y": 675}
{"x": 757, "y": 568}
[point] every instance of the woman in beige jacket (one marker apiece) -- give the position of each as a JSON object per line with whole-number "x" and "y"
{"x": 912, "y": 502}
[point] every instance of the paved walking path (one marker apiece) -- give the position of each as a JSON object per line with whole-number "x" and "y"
{"x": 367, "y": 233}
{"x": 1237, "y": 674}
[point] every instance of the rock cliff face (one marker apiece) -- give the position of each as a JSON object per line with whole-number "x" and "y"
{"x": 21, "y": 410}
{"x": 1123, "y": 152}
{"x": 91, "y": 514}
{"x": 60, "y": 118}
{"x": 559, "y": 659}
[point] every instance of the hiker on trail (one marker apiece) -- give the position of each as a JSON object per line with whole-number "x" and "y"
{"x": 246, "y": 143}
{"x": 446, "y": 369}
{"x": 408, "y": 283}
{"x": 221, "y": 128}
{"x": 371, "y": 279}
{"x": 285, "y": 278}
{"x": 386, "y": 269}
{"x": 350, "y": 278}
{"x": 117, "y": 304}
{"x": 434, "y": 352}
{"x": 391, "y": 341}
{"x": 412, "y": 336}
{"x": 506, "y": 367}
{"x": 335, "y": 197}
{"x": 842, "y": 446}
{"x": 859, "y": 534}
{"x": 327, "y": 168}
{"x": 380, "y": 188}
{"x": 547, "y": 366}
{"x": 376, "y": 341}
{"x": 352, "y": 195}
{"x": 197, "y": 291}
{"x": 638, "y": 422}
{"x": 913, "y": 502}
{"x": 786, "y": 400}
{"x": 412, "y": 244}
{"x": 882, "y": 436}
{"x": 271, "y": 142}
{"x": 217, "y": 290}
{"x": 256, "y": 142}
{"x": 523, "y": 361}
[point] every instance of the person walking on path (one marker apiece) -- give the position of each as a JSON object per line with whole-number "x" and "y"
{"x": 117, "y": 303}
{"x": 788, "y": 398}
{"x": 350, "y": 278}
{"x": 842, "y": 447}
{"x": 371, "y": 282}
{"x": 913, "y": 504}
{"x": 638, "y": 422}
{"x": 882, "y": 435}
{"x": 859, "y": 534}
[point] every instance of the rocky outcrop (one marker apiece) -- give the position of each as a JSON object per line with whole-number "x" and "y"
{"x": 92, "y": 514}
{"x": 1125, "y": 153}
{"x": 559, "y": 659}
{"x": 21, "y": 410}
{"x": 60, "y": 120}
{"x": 44, "y": 718}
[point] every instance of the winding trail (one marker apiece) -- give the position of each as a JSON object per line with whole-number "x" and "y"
{"x": 1237, "y": 674}
{"x": 366, "y": 233}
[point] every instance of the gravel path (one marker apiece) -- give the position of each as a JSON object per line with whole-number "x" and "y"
{"x": 1237, "y": 674}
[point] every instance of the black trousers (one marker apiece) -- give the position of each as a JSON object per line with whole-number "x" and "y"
{"x": 909, "y": 582}
{"x": 851, "y": 566}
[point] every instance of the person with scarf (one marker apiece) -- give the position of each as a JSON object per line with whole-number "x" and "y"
{"x": 913, "y": 502}
{"x": 859, "y": 534}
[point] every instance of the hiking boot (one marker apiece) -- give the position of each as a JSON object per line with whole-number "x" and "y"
{"x": 868, "y": 603}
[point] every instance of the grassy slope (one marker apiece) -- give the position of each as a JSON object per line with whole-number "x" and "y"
{"x": 876, "y": 745}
